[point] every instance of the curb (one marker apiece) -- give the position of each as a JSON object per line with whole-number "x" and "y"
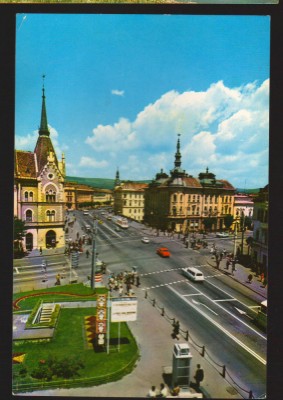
{"x": 235, "y": 279}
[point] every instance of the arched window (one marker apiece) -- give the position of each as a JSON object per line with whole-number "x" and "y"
{"x": 31, "y": 196}
{"x": 26, "y": 196}
{"x": 50, "y": 195}
{"x": 50, "y": 215}
{"x": 174, "y": 197}
{"x": 29, "y": 216}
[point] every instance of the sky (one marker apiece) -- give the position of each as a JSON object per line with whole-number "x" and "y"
{"x": 120, "y": 88}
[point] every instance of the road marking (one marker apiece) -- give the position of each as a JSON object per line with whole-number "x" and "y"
{"x": 239, "y": 342}
{"x": 196, "y": 302}
{"x": 163, "y": 284}
{"x": 232, "y": 315}
{"x": 192, "y": 294}
{"x": 232, "y": 299}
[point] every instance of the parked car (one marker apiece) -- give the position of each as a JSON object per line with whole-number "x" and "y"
{"x": 163, "y": 252}
{"x": 145, "y": 239}
{"x": 222, "y": 234}
{"x": 85, "y": 212}
{"x": 193, "y": 273}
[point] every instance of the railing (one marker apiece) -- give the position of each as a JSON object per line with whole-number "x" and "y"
{"x": 202, "y": 350}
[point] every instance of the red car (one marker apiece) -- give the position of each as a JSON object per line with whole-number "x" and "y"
{"x": 163, "y": 252}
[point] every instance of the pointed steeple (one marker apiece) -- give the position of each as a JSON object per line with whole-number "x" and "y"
{"x": 117, "y": 179}
{"x": 178, "y": 154}
{"x": 43, "y": 130}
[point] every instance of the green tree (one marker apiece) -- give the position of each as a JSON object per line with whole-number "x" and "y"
{"x": 228, "y": 220}
{"x": 19, "y": 234}
{"x": 209, "y": 222}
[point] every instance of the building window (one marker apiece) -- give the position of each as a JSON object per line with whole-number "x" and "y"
{"x": 174, "y": 197}
{"x": 31, "y": 196}
{"x": 26, "y": 196}
{"x": 125, "y": 202}
{"x": 29, "y": 216}
{"x": 50, "y": 215}
{"x": 50, "y": 196}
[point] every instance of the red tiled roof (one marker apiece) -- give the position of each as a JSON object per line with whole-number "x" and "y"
{"x": 192, "y": 182}
{"x": 25, "y": 164}
{"x": 226, "y": 184}
{"x": 134, "y": 186}
{"x": 42, "y": 149}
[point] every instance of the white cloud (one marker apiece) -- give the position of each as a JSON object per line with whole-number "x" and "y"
{"x": 118, "y": 92}
{"x": 226, "y": 129}
{"x": 91, "y": 162}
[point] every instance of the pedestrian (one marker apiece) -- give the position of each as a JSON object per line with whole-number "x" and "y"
{"x": 40, "y": 251}
{"x": 138, "y": 280}
{"x": 176, "y": 390}
{"x": 121, "y": 290}
{"x": 262, "y": 277}
{"x": 163, "y": 391}
{"x": 87, "y": 253}
{"x": 227, "y": 263}
{"x": 152, "y": 392}
{"x": 250, "y": 278}
{"x": 199, "y": 375}
{"x": 43, "y": 265}
{"x": 176, "y": 329}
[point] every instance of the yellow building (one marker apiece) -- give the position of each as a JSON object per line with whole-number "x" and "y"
{"x": 39, "y": 190}
{"x": 77, "y": 194}
{"x": 129, "y": 200}
{"x": 181, "y": 203}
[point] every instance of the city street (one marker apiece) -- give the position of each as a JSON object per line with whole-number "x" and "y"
{"x": 217, "y": 313}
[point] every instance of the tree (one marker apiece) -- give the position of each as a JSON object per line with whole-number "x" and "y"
{"x": 228, "y": 220}
{"x": 209, "y": 222}
{"x": 19, "y": 234}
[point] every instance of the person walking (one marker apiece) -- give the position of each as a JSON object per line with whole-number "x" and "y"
{"x": 40, "y": 251}
{"x": 87, "y": 254}
{"x": 199, "y": 375}
{"x": 152, "y": 392}
{"x": 163, "y": 391}
{"x": 138, "y": 280}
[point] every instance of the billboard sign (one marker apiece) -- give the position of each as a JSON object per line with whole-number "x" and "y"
{"x": 124, "y": 309}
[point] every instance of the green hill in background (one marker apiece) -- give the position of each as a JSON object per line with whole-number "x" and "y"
{"x": 100, "y": 183}
{"x": 104, "y": 183}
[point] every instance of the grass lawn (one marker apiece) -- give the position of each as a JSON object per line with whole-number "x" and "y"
{"x": 70, "y": 341}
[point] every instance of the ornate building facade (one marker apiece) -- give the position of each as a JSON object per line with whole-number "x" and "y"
{"x": 179, "y": 202}
{"x": 39, "y": 190}
{"x": 260, "y": 232}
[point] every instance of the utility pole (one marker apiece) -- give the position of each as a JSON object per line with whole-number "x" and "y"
{"x": 235, "y": 236}
{"x": 93, "y": 258}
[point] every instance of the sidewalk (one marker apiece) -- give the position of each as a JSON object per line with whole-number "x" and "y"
{"x": 241, "y": 275}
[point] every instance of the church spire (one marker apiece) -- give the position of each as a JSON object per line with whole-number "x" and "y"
{"x": 117, "y": 179}
{"x": 43, "y": 130}
{"x": 178, "y": 154}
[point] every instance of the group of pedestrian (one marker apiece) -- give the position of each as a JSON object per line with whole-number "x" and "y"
{"x": 124, "y": 282}
{"x": 162, "y": 392}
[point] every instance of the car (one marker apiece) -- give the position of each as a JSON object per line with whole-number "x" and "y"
{"x": 88, "y": 227}
{"x": 193, "y": 273}
{"x": 85, "y": 213}
{"x": 163, "y": 252}
{"x": 145, "y": 239}
{"x": 222, "y": 234}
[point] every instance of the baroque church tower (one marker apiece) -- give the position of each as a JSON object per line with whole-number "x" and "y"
{"x": 39, "y": 190}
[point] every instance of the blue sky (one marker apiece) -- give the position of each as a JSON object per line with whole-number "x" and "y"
{"x": 119, "y": 88}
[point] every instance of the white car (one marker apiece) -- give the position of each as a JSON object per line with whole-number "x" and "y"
{"x": 85, "y": 213}
{"x": 222, "y": 235}
{"x": 193, "y": 273}
{"x": 145, "y": 240}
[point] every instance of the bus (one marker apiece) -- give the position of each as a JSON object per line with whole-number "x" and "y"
{"x": 261, "y": 317}
{"x": 120, "y": 221}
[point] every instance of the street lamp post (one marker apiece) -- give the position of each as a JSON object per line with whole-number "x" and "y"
{"x": 93, "y": 258}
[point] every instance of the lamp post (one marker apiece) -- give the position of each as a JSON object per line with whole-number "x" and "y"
{"x": 93, "y": 258}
